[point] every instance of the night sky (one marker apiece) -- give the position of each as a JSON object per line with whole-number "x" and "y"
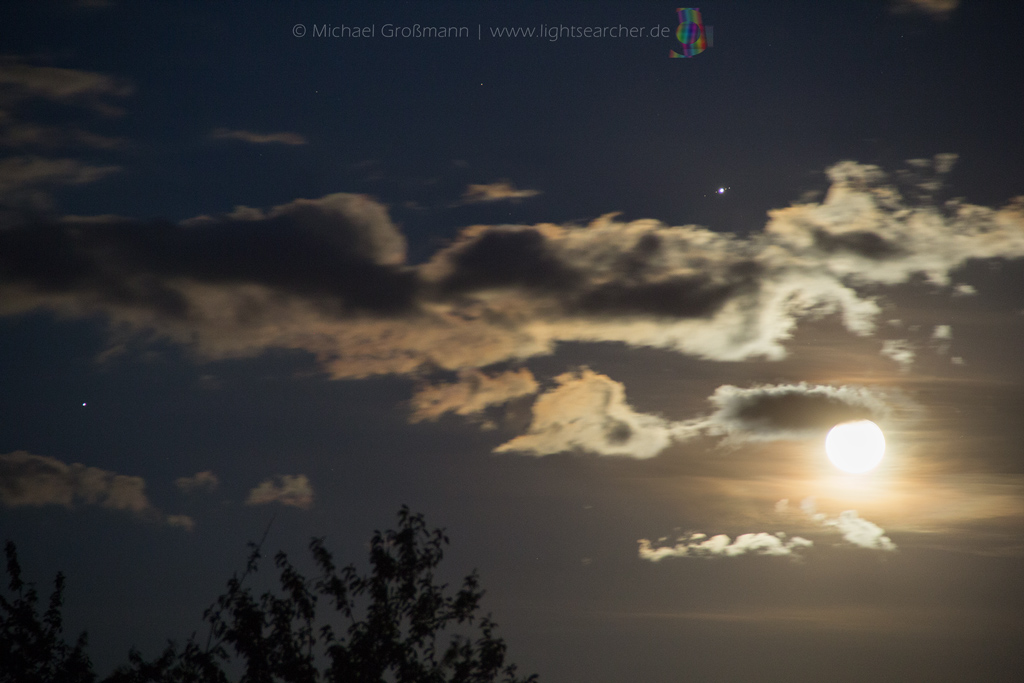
{"x": 590, "y": 308}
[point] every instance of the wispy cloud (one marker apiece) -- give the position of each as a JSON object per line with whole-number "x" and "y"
{"x": 284, "y": 138}
{"x": 23, "y": 172}
{"x": 472, "y": 394}
{"x": 20, "y": 81}
{"x": 205, "y": 480}
{"x": 900, "y": 350}
{"x": 182, "y": 521}
{"x": 293, "y": 490}
{"x": 502, "y": 191}
{"x": 937, "y": 9}
{"x": 37, "y": 480}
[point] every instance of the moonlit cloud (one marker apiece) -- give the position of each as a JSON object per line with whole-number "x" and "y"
{"x": 258, "y": 138}
{"x": 291, "y": 490}
{"x": 20, "y": 81}
{"x": 205, "y": 480}
{"x": 588, "y": 411}
{"x": 473, "y": 393}
{"x": 19, "y": 173}
{"x": 785, "y": 411}
{"x": 37, "y": 480}
{"x": 495, "y": 192}
{"x": 938, "y": 9}
{"x": 328, "y": 276}
{"x": 854, "y": 529}
{"x": 900, "y": 350}
{"x": 23, "y": 134}
{"x": 699, "y": 545}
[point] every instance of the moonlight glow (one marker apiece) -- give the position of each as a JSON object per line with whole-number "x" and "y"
{"x": 855, "y": 446}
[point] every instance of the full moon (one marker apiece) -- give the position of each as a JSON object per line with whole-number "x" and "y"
{"x": 855, "y": 447}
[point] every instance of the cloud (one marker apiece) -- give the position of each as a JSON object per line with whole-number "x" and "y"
{"x": 854, "y": 529}
{"x": 937, "y": 9}
{"x": 23, "y": 134}
{"x": 588, "y": 411}
{"x": 200, "y": 480}
{"x": 495, "y": 192}
{"x": 26, "y": 180}
{"x": 183, "y": 521}
{"x": 699, "y": 545}
{"x": 20, "y": 81}
{"x": 900, "y": 350}
{"x": 293, "y": 490}
{"x": 37, "y": 480}
{"x": 19, "y": 173}
{"x": 784, "y": 411}
{"x": 473, "y": 393}
{"x": 328, "y": 276}
{"x": 258, "y": 138}
{"x": 329, "y": 258}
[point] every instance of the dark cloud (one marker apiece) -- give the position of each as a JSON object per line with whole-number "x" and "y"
{"x": 509, "y": 258}
{"x": 677, "y": 297}
{"x": 333, "y": 251}
{"x": 797, "y": 410}
{"x": 787, "y": 411}
{"x": 860, "y": 242}
{"x": 328, "y": 276}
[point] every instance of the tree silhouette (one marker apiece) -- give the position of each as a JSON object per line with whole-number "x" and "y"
{"x": 394, "y": 624}
{"x": 32, "y": 649}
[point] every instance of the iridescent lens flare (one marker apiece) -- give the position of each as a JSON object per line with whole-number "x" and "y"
{"x": 855, "y": 446}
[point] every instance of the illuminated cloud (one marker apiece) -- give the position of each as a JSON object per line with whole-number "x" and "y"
{"x": 26, "y": 180}
{"x": 900, "y": 350}
{"x": 20, "y": 81}
{"x": 23, "y": 134}
{"x": 495, "y": 192}
{"x": 854, "y": 529}
{"x": 37, "y": 480}
{"x": 19, "y": 173}
{"x": 205, "y": 480}
{"x": 785, "y": 411}
{"x": 258, "y": 138}
{"x": 938, "y": 9}
{"x": 588, "y": 411}
{"x": 293, "y": 490}
{"x": 329, "y": 276}
{"x": 473, "y": 393}
{"x": 699, "y": 545}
